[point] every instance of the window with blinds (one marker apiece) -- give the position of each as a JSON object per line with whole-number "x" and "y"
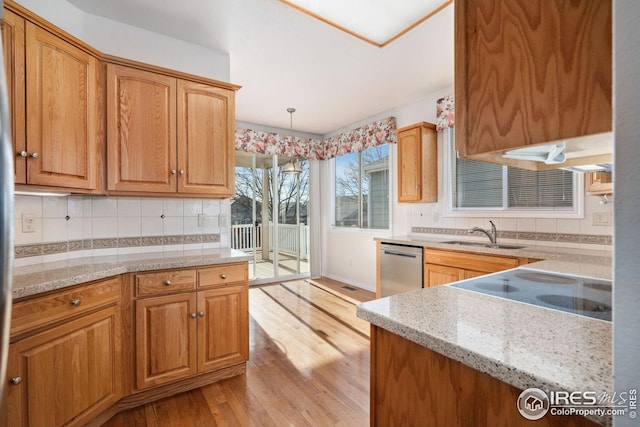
{"x": 480, "y": 185}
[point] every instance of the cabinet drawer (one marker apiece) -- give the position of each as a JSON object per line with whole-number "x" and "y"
{"x": 222, "y": 274}
{"x": 41, "y": 311}
{"x": 164, "y": 282}
{"x": 468, "y": 261}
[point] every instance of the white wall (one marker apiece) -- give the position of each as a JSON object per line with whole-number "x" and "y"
{"x": 626, "y": 297}
{"x": 129, "y": 42}
{"x": 349, "y": 255}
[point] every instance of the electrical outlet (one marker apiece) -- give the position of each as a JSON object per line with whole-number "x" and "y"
{"x": 28, "y": 223}
{"x": 202, "y": 220}
{"x": 222, "y": 220}
{"x": 601, "y": 218}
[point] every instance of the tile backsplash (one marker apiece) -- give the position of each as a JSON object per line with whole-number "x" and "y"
{"x": 77, "y": 226}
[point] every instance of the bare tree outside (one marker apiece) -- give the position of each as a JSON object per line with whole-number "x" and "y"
{"x": 242, "y": 202}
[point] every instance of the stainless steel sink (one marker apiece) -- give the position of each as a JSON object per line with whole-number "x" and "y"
{"x": 483, "y": 245}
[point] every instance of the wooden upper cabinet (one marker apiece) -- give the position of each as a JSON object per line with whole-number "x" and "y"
{"x": 13, "y": 44}
{"x": 141, "y": 136}
{"x": 168, "y": 135}
{"x": 62, "y": 98}
{"x": 531, "y": 72}
{"x": 206, "y": 123}
{"x": 417, "y": 163}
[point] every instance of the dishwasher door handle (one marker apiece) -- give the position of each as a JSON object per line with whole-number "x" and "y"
{"x": 401, "y": 254}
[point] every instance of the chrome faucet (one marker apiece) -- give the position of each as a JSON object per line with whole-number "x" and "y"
{"x": 492, "y": 235}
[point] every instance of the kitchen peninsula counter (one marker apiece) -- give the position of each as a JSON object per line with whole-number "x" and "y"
{"x": 519, "y": 344}
{"x": 40, "y": 278}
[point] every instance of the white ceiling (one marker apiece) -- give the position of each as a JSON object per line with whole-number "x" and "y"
{"x": 284, "y": 58}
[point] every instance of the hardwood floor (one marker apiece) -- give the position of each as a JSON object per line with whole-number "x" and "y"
{"x": 309, "y": 366}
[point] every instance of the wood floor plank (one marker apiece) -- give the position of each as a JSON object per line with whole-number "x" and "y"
{"x": 309, "y": 366}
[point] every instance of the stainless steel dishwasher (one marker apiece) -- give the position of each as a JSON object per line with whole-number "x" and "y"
{"x": 400, "y": 268}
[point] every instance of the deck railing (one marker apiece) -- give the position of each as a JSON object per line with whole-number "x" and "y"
{"x": 246, "y": 237}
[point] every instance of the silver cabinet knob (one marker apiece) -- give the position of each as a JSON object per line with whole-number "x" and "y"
{"x": 201, "y": 314}
{"x": 167, "y": 282}
{"x": 35, "y": 155}
{"x": 223, "y": 276}
{"x": 181, "y": 171}
{"x": 193, "y": 315}
{"x": 16, "y": 380}
{"x": 75, "y": 302}
{"x": 173, "y": 171}
{"x": 23, "y": 153}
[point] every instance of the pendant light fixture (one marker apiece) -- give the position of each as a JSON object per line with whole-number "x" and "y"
{"x": 292, "y": 166}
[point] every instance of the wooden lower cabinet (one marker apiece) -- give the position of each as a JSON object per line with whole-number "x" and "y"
{"x": 435, "y": 275}
{"x": 185, "y": 334}
{"x": 81, "y": 354}
{"x": 442, "y": 267}
{"x": 66, "y": 375}
{"x": 165, "y": 339}
{"x": 223, "y": 332}
{"x": 413, "y": 386}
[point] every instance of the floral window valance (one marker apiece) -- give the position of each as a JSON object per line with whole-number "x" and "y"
{"x": 256, "y": 141}
{"x": 445, "y": 111}
{"x": 367, "y": 136}
{"x": 356, "y": 140}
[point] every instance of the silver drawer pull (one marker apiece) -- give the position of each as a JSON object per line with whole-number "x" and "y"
{"x": 173, "y": 171}
{"x": 223, "y": 276}
{"x": 193, "y": 315}
{"x": 168, "y": 283}
{"x": 181, "y": 172}
{"x": 75, "y": 302}
{"x": 35, "y": 155}
{"x": 201, "y": 314}
{"x": 23, "y": 154}
{"x": 16, "y": 380}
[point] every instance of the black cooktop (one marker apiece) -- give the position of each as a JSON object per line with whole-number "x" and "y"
{"x": 581, "y": 295}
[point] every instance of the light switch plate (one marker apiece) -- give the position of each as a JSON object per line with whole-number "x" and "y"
{"x": 202, "y": 220}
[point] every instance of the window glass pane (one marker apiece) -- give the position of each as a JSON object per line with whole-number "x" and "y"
{"x": 478, "y": 184}
{"x": 348, "y": 190}
{"x": 362, "y": 188}
{"x": 543, "y": 189}
{"x": 375, "y": 187}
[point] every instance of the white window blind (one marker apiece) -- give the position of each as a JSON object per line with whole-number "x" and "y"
{"x": 480, "y": 185}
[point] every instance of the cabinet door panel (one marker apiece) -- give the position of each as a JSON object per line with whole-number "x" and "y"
{"x": 165, "y": 339}
{"x": 69, "y": 373}
{"x": 63, "y": 128}
{"x": 205, "y": 139}
{"x": 435, "y": 275}
{"x": 223, "y": 337}
{"x": 410, "y": 165}
{"x": 141, "y": 137}
{"x": 13, "y": 44}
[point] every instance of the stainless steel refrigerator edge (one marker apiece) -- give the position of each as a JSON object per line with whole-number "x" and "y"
{"x": 6, "y": 220}
{"x": 400, "y": 269}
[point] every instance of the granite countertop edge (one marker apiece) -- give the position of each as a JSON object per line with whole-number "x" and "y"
{"x": 41, "y": 278}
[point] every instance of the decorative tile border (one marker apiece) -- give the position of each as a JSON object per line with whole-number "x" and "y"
{"x": 592, "y": 239}
{"x": 26, "y": 251}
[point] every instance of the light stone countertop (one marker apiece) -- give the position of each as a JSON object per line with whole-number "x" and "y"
{"x": 520, "y": 344}
{"x": 39, "y": 278}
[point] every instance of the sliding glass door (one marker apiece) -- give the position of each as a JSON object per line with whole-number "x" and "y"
{"x": 269, "y": 215}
